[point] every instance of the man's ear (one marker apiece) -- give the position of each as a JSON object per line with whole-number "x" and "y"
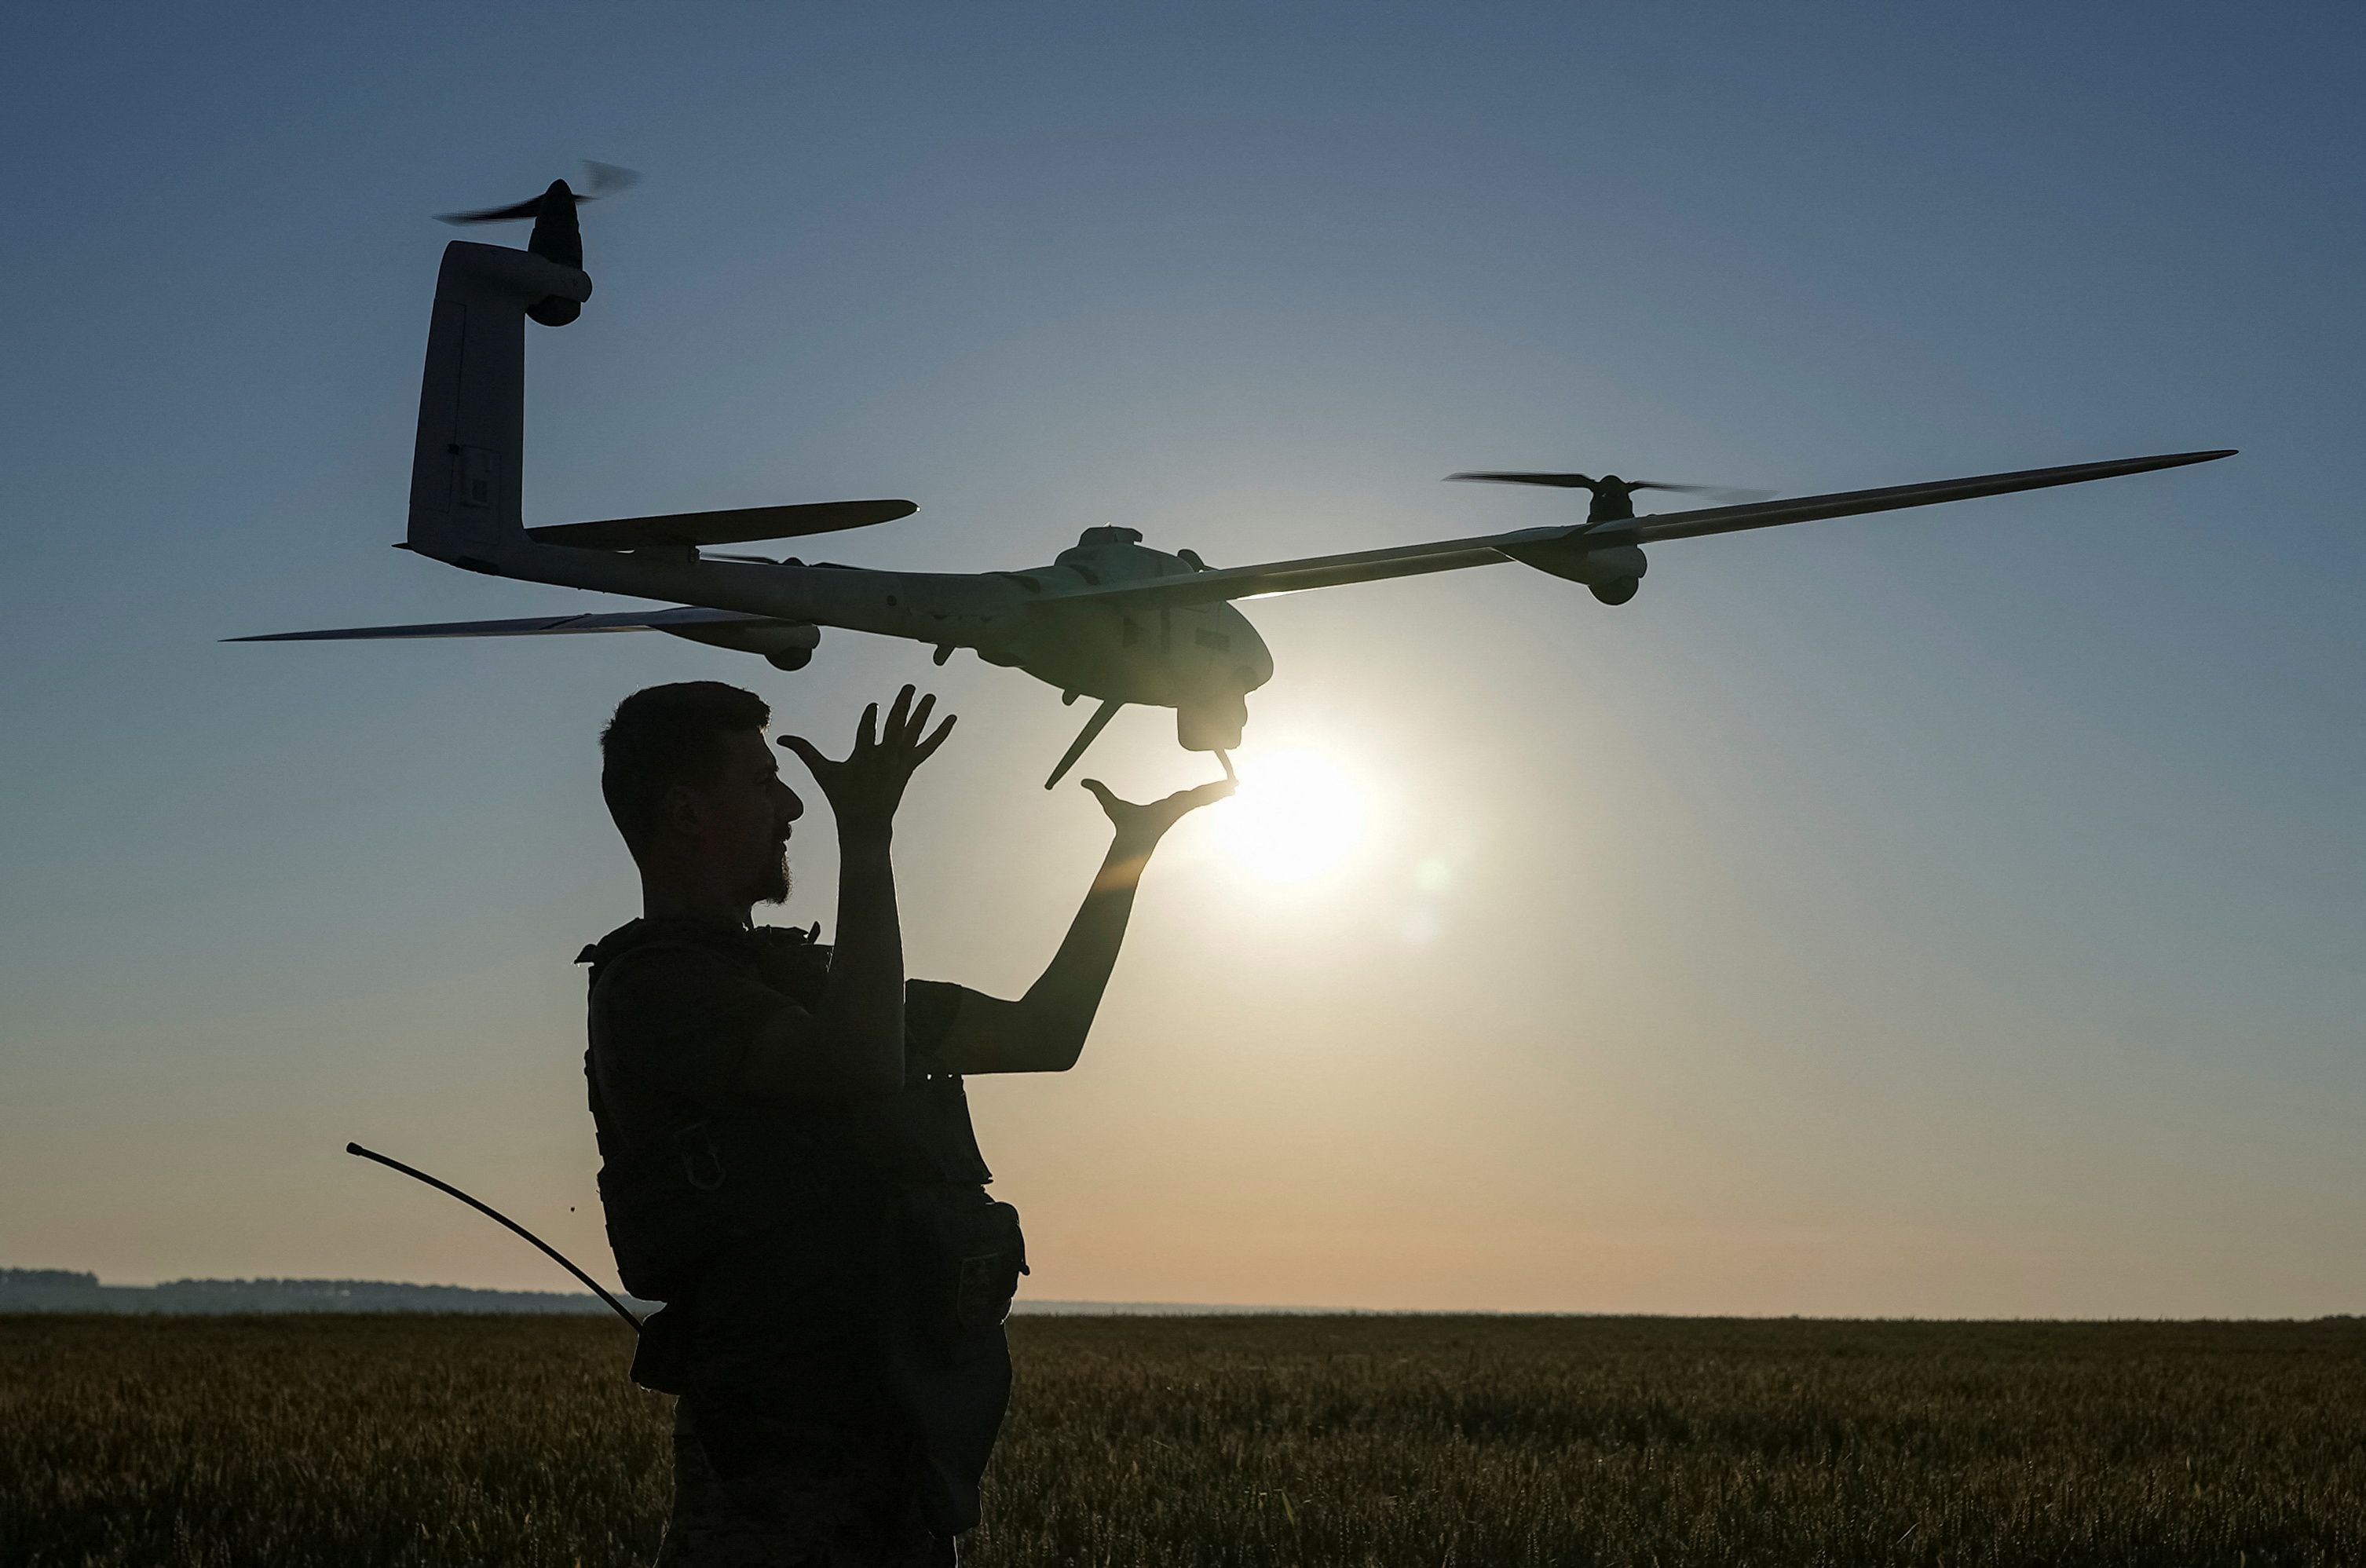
{"x": 683, "y": 810}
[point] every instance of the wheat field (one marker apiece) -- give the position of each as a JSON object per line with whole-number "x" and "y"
{"x": 1365, "y": 1441}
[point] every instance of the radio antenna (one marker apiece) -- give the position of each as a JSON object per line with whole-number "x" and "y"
{"x": 488, "y": 1210}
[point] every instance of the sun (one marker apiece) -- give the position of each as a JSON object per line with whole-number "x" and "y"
{"x": 1297, "y": 816}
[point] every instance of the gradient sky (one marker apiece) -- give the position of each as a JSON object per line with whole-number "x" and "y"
{"x": 1956, "y": 912}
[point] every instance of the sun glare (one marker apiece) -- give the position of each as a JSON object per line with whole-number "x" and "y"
{"x": 1297, "y": 816}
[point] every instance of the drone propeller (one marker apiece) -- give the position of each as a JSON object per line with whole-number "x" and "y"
{"x": 557, "y": 236}
{"x": 1724, "y": 495}
{"x": 599, "y": 179}
{"x": 1721, "y": 494}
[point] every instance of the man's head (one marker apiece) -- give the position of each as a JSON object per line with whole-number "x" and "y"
{"x": 697, "y": 794}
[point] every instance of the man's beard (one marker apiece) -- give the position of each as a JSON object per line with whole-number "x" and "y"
{"x": 772, "y": 884}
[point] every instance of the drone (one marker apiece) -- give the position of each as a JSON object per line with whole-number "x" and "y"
{"x": 1109, "y": 618}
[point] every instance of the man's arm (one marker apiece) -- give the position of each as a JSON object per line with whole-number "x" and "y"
{"x": 1044, "y": 1031}
{"x": 853, "y": 1043}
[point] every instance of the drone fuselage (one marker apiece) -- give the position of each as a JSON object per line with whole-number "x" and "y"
{"x": 1201, "y": 659}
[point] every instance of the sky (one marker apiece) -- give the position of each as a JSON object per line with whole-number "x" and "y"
{"x": 1958, "y": 912}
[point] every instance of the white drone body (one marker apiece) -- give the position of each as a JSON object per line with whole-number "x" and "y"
{"x": 1108, "y": 618}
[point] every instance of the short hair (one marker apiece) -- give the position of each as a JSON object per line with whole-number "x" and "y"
{"x": 664, "y": 736}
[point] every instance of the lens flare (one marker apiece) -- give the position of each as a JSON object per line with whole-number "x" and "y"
{"x": 1296, "y": 816}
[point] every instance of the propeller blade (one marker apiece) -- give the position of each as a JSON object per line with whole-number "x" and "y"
{"x": 1558, "y": 481}
{"x": 1722, "y": 495}
{"x": 530, "y": 209}
{"x": 607, "y": 179}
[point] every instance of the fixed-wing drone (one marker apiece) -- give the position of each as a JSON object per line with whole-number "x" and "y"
{"x": 1109, "y": 618}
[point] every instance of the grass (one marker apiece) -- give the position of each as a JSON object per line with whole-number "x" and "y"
{"x": 1357, "y": 1441}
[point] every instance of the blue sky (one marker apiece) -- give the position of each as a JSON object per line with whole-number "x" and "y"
{"x": 1951, "y": 912}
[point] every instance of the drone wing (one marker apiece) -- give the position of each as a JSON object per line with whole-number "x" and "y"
{"x": 1367, "y": 566}
{"x": 723, "y": 527}
{"x": 1854, "y": 502}
{"x": 539, "y": 625}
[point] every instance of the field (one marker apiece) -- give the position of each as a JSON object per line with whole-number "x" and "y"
{"x": 1379, "y": 1441}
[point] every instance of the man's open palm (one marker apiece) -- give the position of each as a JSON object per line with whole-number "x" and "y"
{"x": 1143, "y": 826}
{"x": 866, "y": 788}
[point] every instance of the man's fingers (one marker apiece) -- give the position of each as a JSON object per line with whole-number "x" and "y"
{"x": 1102, "y": 793}
{"x": 866, "y": 733}
{"x": 920, "y": 711}
{"x": 1184, "y": 802}
{"x": 805, "y": 752}
{"x": 896, "y": 730}
{"x": 1192, "y": 799}
{"x": 927, "y": 748}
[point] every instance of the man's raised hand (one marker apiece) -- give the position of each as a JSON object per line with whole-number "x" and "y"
{"x": 865, "y": 789}
{"x": 1139, "y": 827}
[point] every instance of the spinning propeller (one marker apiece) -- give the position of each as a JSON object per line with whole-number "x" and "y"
{"x": 599, "y": 179}
{"x": 557, "y": 237}
{"x": 1614, "y": 498}
{"x": 1723, "y": 495}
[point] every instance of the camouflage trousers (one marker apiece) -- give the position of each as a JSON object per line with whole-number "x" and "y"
{"x": 852, "y": 1514}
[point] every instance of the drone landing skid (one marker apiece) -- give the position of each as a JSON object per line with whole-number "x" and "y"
{"x": 1091, "y": 732}
{"x": 1085, "y": 737}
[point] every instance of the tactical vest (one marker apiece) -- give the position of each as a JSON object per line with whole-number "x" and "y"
{"x": 678, "y": 1201}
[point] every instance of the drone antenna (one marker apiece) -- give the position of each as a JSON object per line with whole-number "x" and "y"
{"x": 551, "y": 1252}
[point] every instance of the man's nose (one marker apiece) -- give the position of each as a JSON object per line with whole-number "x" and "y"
{"x": 793, "y": 805}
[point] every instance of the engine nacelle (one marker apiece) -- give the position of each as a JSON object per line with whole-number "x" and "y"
{"x": 1612, "y": 571}
{"x": 784, "y": 645}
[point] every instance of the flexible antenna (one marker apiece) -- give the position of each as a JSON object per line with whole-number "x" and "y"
{"x": 549, "y": 1251}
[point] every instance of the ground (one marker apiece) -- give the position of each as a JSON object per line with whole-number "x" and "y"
{"x": 1366, "y": 1441}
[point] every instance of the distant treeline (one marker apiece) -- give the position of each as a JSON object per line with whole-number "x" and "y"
{"x": 66, "y": 1279}
{"x": 66, "y": 1290}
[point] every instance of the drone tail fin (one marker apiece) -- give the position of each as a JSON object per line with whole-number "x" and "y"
{"x": 465, "y": 472}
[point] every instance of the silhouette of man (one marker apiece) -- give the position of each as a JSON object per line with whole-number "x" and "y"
{"x": 786, "y": 1154}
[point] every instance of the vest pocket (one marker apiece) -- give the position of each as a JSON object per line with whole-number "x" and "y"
{"x": 701, "y": 1158}
{"x": 959, "y": 1255}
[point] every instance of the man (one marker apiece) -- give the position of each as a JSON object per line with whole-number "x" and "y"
{"x": 787, "y": 1152}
